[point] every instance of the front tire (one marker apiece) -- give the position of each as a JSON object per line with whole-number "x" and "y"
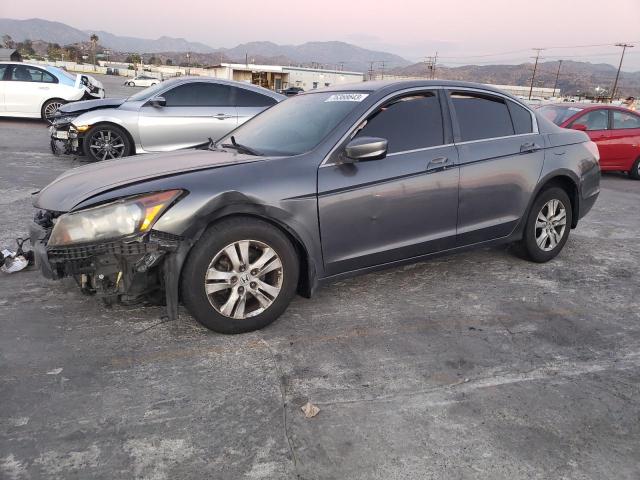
{"x": 106, "y": 142}
{"x": 548, "y": 225}
{"x": 131, "y": 84}
{"x": 50, "y": 107}
{"x": 240, "y": 276}
{"x": 635, "y": 170}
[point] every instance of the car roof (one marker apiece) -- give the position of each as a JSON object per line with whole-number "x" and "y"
{"x": 588, "y": 106}
{"x": 389, "y": 86}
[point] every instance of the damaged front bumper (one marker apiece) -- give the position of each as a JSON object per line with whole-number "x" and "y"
{"x": 65, "y": 138}
{"x": 127, "y": 271}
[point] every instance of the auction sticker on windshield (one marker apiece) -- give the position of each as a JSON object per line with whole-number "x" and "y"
{"x": 347, "y": 97}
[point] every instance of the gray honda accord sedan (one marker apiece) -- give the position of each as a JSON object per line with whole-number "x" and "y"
{"x": 326, "y": 184}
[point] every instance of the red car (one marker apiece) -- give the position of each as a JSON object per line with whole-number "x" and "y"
{"x": 615, "y": 130}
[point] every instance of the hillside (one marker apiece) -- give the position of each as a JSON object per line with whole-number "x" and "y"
{"x": 574, "y": 76}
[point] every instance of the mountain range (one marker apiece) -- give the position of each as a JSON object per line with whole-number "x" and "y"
{"x": 351, "y": 57}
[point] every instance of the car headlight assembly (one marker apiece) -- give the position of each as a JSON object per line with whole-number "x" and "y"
{"x": 123, "y": 218}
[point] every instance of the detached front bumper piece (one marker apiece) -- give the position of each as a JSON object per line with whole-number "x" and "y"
{"x": 126, "y": 271}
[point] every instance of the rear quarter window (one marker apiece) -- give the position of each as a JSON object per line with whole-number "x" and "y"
{"x": 521, "y": 118}
{"x": 249, "y": 98}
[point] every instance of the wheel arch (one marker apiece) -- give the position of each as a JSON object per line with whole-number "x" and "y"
{"x": 308, "y": 270}
{"x": 306, "y": 279}
{"x": 114, "y": 124}
{"x": 48, "y": 100}
{"x": 570, "y": 186}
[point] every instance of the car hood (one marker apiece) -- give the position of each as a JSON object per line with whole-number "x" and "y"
{"x": 79, "y": 184}
{"x": 76, "y": 108}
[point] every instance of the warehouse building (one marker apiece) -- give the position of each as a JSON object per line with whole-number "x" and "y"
{"x": 278, "y": 77}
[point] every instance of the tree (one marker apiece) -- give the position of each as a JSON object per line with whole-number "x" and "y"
{"x": 94, "y": 42}
{"x": 54, "y": 52}
{"x": 134, "y": 58}
{"x": 73, "y": 54}
{"x": 169, "y": 62}
{"x": 8, "y": 42}
{"x": 25, "y": 48}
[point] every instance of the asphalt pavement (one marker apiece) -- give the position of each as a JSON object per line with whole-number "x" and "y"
{"x": 474, "y": 366}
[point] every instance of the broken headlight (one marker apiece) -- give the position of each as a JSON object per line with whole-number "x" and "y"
{"x": 118, "y": 219}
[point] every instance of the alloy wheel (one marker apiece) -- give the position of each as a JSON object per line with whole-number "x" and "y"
{"x": 106, "y": 144}
{"x": 244, "y": 279}
{"x": 51, "y": 109}
{"x": 551, "y": 223}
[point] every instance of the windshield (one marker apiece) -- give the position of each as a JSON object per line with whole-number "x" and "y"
{"x": 558, "y": 113}
{"x": 147, "y": 93}
{"x": 296, "y": 125}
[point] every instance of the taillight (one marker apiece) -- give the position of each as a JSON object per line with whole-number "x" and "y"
{"x": 593, "y": 148}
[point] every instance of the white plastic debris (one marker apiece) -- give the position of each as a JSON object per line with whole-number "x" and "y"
{"x": 310, "y": 410}
{"x": 14, "y": 264}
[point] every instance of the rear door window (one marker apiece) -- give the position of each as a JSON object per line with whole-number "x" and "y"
{"x": 624, "y": 120}
{"x": 3, "y": 70}
{"x": 199, "y": 94}
{"x": 249, "y": 98}
{"x": 593, "y": 120}
{"x": 481, "y": 116}
{"x": 408, "y": 123}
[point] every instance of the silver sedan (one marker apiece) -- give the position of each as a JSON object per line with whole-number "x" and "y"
{"x": 171, "y": 115}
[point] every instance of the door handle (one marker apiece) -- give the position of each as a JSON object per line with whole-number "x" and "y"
{"x": 437, "y": 162}
{"x": 528, "y": 147}
{"x": 222, "y": 116}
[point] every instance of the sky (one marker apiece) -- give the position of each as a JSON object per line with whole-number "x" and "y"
{"x": 462, "y": 32}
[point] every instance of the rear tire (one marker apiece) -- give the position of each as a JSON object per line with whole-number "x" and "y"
{"x": 635, "y": 170}
{"x": 106, "y": 142}
{"x": 50, "y": 107}
{"x": 229, "y": 293}
{"x": 548, "y": 225}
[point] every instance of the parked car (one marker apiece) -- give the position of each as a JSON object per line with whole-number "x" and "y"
{"x": 616, "y": 131}
{"x": 37, "y": 91}
{"x": 142, "y": 81}
{"x": 289, "y": 92}
{"x": 326, "y": 185}
{"x": 174, "y": 114}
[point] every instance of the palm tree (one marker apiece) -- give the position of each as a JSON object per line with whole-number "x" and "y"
{"x": 94, "y": 42}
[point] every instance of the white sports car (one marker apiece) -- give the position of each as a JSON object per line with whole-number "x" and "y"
{"x": 142, "y": 81}
{"x": 36, "y": 91}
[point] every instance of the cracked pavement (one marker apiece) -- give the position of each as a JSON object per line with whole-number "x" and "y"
{"x": 479, "y": 365}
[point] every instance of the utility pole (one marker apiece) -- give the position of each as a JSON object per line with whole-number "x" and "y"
{"x": 370, "y": 70}
{"x": 535, "y": 67}
{"x": 555, "y": 85}
{"x": 382, "y": 70}
{"x": 433, "y": 69}
{"x": 615, "y": 83}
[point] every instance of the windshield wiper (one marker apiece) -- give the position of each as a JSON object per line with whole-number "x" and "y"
{"x": 240, "y": 147}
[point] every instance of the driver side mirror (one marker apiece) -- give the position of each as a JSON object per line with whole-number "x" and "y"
{"x": 158, "y": 102}
{"x": 579, "y": 126}
{"x": 366, "y": 148}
